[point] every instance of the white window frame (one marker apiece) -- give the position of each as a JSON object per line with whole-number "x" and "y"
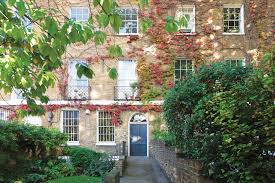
{"x": 103, "y": 143}
{"x": 241, "y": 6}
{"x": 83, "y": 7}
{"x": 179, "y": 8}
{"x": 127, "y": 34}
{"x": 238, "y": 58}
{"x": 70, "y": 143}
{"x": 180, "y": 58}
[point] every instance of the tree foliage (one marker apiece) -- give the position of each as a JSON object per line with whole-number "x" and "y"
{"x": 222, "y": 116}
{"x": 21, "y": 145}
{"x": 28, "y": 58}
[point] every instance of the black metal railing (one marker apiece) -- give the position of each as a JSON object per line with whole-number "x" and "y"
{"x": 78, "y": 92}
{"x": 126, "y": 93}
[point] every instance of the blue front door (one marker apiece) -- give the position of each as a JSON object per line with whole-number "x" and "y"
{"x": 138, "y": 139}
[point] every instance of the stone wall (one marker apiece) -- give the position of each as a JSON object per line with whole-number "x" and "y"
{"x": 177, "y": 169}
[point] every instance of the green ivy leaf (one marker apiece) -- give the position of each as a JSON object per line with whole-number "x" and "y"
{"x": 115, "y": 51}
{"x": 96, "y": 3}
{"x": 51, "y": 25}
{"x": 12, "y": 2}
{"x": 107, "y": 6}
{"x": 112, "y": 72}
{"x": 183, "y": 22}
{"x": 103, "y": 20}
{"x": 83, "y": 69}
{"x": 116, "y": 22}
{"x": 145, "y": 24}
{"x": 143, "y": 3}
{"x": 21, "y": 8}
{"x": 100, "y": 37}
{"x": 171, "y": 25}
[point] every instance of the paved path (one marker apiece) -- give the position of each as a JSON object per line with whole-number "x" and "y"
{"x": 143, "y": 170}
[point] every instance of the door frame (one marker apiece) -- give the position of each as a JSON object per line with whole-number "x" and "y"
{"x": 129, "y": 134}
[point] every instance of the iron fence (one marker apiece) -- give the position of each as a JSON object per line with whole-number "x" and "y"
{"x": 6, "y": 112}
{"x": 78, "y": 92}
{"x": 126, "y": 93}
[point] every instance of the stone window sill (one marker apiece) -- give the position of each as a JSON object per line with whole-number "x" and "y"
{"x": 233, "y": 34}
{"x": 73, "y": 143}
{"x": 105, "y": 144}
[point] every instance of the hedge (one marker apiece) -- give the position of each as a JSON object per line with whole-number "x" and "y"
{"x": 222, "y": 116}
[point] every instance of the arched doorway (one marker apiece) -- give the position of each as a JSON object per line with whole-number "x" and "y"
{"x": 138, "y": 135}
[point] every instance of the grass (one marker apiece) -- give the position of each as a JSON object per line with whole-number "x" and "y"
{"x": 77, "y": 179}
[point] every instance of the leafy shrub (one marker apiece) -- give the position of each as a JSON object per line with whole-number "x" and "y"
{"x": 227, "y": 125}
{"x": 100, "y": 167}
{"x": 164, "y": 136}
{"x": 54, "y": 168}
{"x": 21, "y": 145}
{"x": 34, "y": 178}
{"x": 81, "y": 158}
{"x": 241, "y": 119}
{"x": 181, "y": 101}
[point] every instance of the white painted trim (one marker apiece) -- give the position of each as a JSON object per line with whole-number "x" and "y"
{"x": 233, "y": 34}
{"x": 88, "y": 102}
{"x": 70, "y": 143}
{"x": 148, "y": 138}
{"x": 73, "y": 143}
{"x": 105, "y": 143}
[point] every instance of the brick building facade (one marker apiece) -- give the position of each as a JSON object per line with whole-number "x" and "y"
{"x": 235, "y": 31}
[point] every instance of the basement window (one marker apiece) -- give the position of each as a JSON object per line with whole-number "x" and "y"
{"x": 235, "y": 62}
